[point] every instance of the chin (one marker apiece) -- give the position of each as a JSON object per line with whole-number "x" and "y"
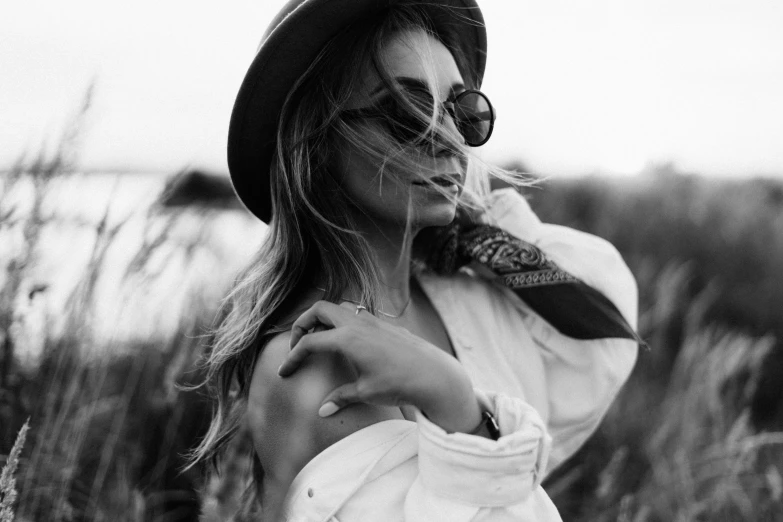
{"x": 437, "y": 216}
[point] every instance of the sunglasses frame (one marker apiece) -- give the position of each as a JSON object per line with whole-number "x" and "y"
{"x": 376, "y": 113}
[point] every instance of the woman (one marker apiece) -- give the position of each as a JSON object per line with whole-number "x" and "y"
{"x": 406, "y": 345}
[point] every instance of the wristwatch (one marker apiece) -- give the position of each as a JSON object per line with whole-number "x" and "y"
{"x": 488, "y": 421}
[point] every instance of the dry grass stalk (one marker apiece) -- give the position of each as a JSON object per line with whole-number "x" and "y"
{"x": 7, "y": 481}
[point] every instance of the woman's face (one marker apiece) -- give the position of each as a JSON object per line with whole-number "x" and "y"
{"x": 382, "y": 193}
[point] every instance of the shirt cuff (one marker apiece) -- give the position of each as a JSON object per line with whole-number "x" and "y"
{"x": 482, "y": 472}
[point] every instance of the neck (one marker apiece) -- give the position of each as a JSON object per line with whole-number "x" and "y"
{"x": 393, "y": 256}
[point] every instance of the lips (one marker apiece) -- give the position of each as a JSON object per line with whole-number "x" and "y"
{"x": 443, "y": 180}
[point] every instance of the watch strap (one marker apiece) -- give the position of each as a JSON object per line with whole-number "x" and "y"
{"x": 491, "y": 424}
{"x": 488, "y": 421}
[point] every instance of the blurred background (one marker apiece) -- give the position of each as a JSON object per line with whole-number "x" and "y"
{"x": 656, "y": 125}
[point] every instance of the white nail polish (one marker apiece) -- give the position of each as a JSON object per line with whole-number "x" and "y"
{"x": 327, "y": 409}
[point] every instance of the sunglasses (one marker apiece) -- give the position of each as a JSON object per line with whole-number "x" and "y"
{"x": 406, "y": 115}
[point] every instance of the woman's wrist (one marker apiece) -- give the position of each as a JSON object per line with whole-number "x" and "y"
{"x": 462, "y": 419}
{"x": 453, "y": 404}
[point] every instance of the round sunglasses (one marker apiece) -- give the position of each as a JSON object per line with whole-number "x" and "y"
{"x": 405, "y": 115}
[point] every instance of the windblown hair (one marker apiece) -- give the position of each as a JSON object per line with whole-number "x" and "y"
{"x": 312, "y": 236}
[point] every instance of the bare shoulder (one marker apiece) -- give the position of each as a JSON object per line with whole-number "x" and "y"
{"x": 283, "y": 412}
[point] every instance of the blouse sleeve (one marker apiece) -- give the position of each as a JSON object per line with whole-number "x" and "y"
{"x": 469, "y": 478}
{"x": 398, "y": 470}
{"x": 582, "y": 376}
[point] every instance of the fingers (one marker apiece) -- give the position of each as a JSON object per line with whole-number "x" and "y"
{"x": 349, "y": 306}
{"x": 339, "y": 398}
{"x": 318, "y": 342}
{"x": 321, "y": 313}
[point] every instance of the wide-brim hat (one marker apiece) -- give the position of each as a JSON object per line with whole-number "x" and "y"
{"x": 291, "y": 43}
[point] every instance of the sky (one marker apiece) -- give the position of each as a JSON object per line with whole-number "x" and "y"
{"x": 580, "y": 87}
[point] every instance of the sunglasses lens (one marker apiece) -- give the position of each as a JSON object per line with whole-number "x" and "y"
{"x": 474, "y": 116}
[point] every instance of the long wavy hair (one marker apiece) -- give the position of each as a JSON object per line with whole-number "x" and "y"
{"x": 312, "y": 236}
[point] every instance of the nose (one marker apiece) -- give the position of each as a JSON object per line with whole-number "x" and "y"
{"x": 449, "y": 121}
{"x": 447, "y": 141}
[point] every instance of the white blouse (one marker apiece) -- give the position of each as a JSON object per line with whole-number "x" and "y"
{"x": 547, "y": 391}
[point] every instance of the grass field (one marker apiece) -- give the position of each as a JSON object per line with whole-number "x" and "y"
{"x": 695, "y": 434}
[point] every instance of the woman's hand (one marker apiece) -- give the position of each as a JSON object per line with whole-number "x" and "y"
{"x": 393, "y": 366}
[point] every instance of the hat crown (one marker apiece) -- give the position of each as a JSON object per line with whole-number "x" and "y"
{"x": 292, "y": 6}
{"x": 286, "y": 11}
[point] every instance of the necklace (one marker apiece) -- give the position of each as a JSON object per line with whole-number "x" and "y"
{"x": 391, "y": 316}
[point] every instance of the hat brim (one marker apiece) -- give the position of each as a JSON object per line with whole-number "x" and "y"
{"x": 283, "y": 57}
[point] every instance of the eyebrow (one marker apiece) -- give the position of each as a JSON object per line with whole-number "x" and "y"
{"x": 416, "y": 83}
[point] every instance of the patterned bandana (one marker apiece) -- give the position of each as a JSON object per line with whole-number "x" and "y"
{"x": 572, "y": 307}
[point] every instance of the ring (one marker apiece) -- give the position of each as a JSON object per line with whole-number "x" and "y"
{"x": 359, "y": 308}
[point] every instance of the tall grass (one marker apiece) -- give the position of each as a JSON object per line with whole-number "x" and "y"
{"x": 109, "y": 425}
{"x": 8, "y": 491}
{"x": 697, "y": 433}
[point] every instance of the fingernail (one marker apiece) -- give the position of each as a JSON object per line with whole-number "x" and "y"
{"x": 278, "y": 370}
{"x": 328, "y": 409}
